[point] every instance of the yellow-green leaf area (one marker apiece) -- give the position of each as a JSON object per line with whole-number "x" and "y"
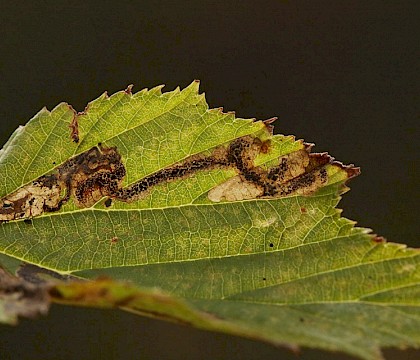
{"x": 201, "y": 217}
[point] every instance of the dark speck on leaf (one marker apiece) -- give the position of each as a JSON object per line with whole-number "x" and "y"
{"x": 271, "y": 245}
{"x": 114, "y": 240}
{"x": 108, "y": 202}
{"x": 27, "y": 221}
{"x": 103, "y": 292}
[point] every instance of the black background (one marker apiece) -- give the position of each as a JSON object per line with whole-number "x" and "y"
{"x": 341, "y": 74}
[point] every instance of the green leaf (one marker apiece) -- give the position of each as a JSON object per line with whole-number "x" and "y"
{"x": 203, "y": 218}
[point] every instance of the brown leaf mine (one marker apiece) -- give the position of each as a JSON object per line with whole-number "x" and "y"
{"x": 87, "y": 177}
{"x": 99, "y": 172}
{"x": 298, "y": 173}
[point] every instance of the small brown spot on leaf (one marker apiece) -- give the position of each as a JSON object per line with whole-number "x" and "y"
{"x": 379, "y": 239}
{"x": 265, "y": 146}
{"x": 103, "y": 292}
{"x": 114, "y": 240}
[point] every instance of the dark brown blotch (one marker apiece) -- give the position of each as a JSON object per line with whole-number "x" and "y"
{"x": 108, "y": 202}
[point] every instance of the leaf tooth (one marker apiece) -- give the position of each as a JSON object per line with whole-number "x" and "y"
{"x": 129, "y": 89}
{"x": 157, "y": 90}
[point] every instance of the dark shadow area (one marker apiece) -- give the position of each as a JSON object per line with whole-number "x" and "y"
{"x": 343, "y": 75}
{"x": 78, "y": 333}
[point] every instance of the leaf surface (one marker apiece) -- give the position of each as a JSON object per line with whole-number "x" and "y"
{"x": 244, "y": 241}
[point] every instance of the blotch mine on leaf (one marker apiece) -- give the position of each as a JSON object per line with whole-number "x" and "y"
{"x": 99, "y": 173}
{"x": 87, "y": 177}
{"x": 297, "y": 173}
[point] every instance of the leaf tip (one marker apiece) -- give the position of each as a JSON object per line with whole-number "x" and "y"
{"x": 268, "y": 124}
{"x": 43, "y": 110}
{"x": 307, "y": 146}
{"x": 194, "y": 86}
{"x": 157, "y": 90}
{"x": 270, "y": 120}
{"x": 351, "y": 170}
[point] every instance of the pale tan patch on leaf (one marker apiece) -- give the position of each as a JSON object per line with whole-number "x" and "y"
{"x": 30, "y": 200}
{"x": 235, "y": 189}
{"x": 296, "y": 164}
